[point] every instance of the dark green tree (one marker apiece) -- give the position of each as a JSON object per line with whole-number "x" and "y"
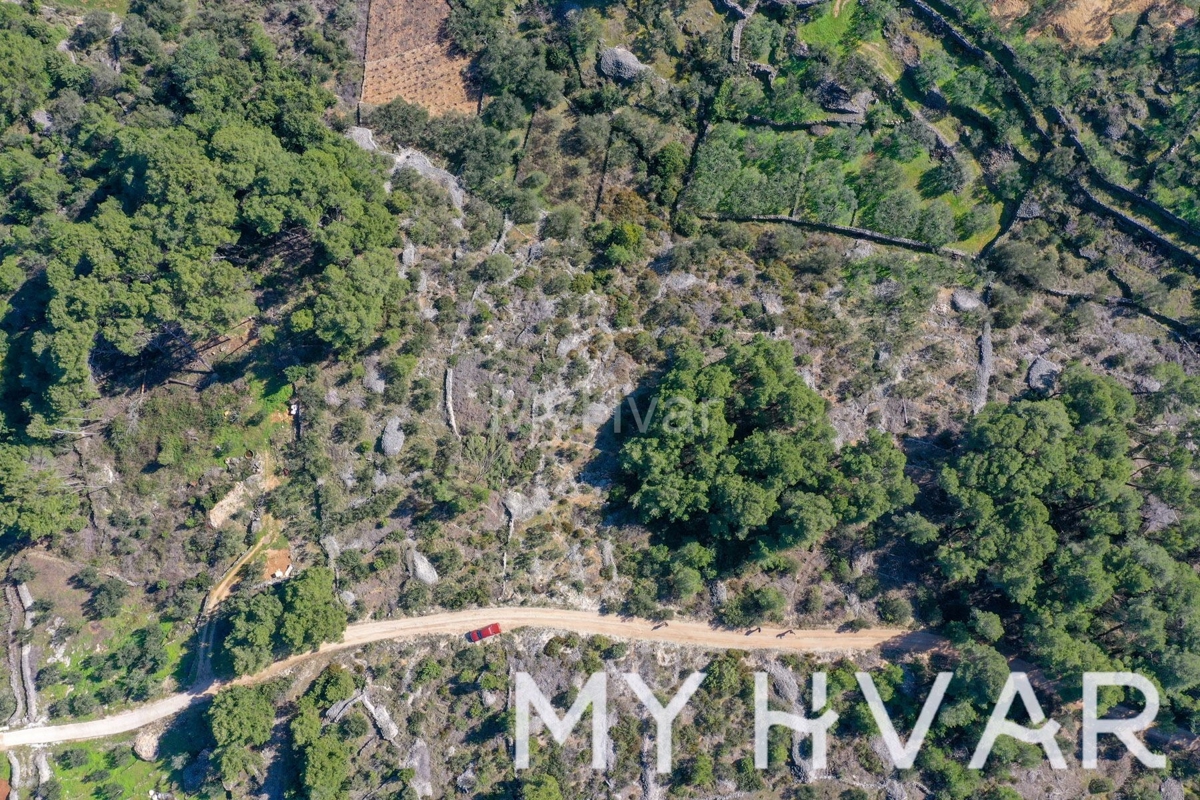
{"x": 253, "y": 625}
{"x": 740, "y": 450}
{"x": 312, "y": 612}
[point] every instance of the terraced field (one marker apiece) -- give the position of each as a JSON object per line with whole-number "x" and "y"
{"x": 409, "y": 56}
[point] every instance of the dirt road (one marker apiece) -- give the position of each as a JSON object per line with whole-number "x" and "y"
{"x": 218, "y": 593}
{"x": 680, "y": 632}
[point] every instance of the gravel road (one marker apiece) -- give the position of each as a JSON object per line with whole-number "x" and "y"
{"x": 457, "y": 623}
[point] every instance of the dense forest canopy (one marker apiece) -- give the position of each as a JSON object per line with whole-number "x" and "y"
{"x": 148, "y": 215}
{"x": 1040, "y": 517}
{"x": 742, "y": 451}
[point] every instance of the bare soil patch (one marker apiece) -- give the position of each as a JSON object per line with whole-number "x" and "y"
{"x": 1087, "y": 22}
{"x": 277, "y": 561}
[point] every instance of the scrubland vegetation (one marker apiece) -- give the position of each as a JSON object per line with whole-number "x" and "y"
{"x": 881, "y": 315}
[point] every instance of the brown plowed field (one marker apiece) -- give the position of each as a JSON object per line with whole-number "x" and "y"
{"x": 408, "y": 56}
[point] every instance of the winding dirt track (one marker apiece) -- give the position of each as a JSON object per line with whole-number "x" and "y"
{"x": 680, "y": 632}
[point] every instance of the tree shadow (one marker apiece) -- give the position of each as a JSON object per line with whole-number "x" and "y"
{"x": 182, "y": 742}
{"x": 23, "y": 317}
{"x": 491, "y": 727}
{"x": 280, "y": 779}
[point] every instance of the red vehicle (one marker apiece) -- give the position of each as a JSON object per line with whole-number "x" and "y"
{"x": 483, "y": 633}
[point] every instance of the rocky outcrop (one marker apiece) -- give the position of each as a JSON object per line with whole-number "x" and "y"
{"x": 339, "y": 709}
{"x": 1030, "y": 209}
{"x": 450, "y": 419}
{"x": 145, "y": 746}
{"x": 983, "y": 373}
{"x": 965, "y": 300}
{"x": 416, "y": 161}
{"x": 42, "y": 763}
{"x": 421, "y": 569}
{"x": 15, "y": 618}
{"x": 523, "y": 507}
{"x": 14, "y": 777}
{"x": 372, "y": 380}
{"x": 20, "y": 659}
{"x": 388, "y": 729}
{"x": 838, "y": 99}
{"x": 196, "y": 773}
{"x": 1042, "y": 375}
{"x": 418, "y": 761}
{"x": 392, "y": 441}
{"x": 620, "y": 64}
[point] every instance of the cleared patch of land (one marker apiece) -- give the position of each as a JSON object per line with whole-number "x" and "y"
{"x": 409, "y": 56}
{"x": 1084, "y": 22}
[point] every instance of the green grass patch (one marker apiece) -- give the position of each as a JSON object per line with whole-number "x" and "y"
{"x": 111, "y": 761}
{"x": 881, "y": 57}
{"x": 92, "y": 673}
{"x": 106, "y": 764}
{"x": 120, "y": 7}
{"x": 828, "y": 29}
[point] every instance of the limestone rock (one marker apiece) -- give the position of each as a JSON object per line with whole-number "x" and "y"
{"x": 418, "y": 760}
{"x": 392, "y": 441}
{"x": 524, "y": 507}
{"x": 595, "y": 415}
{"x": 338, "y": 710}
{"x": 372, "y": 380}
{"x": 467, "y": 781}
{"x": 383, "y": 720}
{"x": 195, "y": 773}
{"x": 332, "y": 548}
{"x": 418, "y": 161}
{"x": 620, "y": 64}
{"x": 1029, "y": 209}
{"x": 363, "y": 137}
{"x": 1043, "y": 374}
{"x": 679, "y": 282}
{"x": 965, "y": 300}
{"x": 936, "y": 100}
{"x": 25, "y": 595}
{"x": 1172, "y": 789}
{"x": 421, "y": 569}
{"x": 772, "y": 303}
{"x": 837, "y": 98}
{"x": 145, "y": 746}
{"x": 572, "y": 342}
{"x": 861, "y": 249}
